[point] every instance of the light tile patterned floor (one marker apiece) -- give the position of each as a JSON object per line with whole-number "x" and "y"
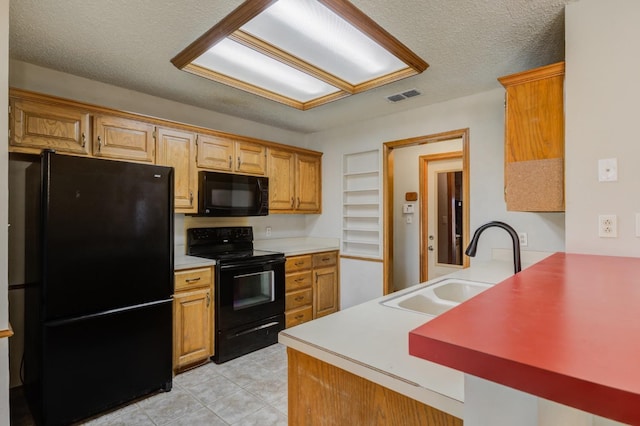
{"x": 251, "y": 390}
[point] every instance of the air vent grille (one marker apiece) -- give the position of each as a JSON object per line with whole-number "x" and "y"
{"x": 397, "y": 97}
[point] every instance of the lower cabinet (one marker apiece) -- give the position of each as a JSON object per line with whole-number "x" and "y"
{"x": 312, "y": 287}
{"x": 192, "y": 317}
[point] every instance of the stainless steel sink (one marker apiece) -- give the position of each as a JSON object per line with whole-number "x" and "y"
{"x": 437, "y": 298}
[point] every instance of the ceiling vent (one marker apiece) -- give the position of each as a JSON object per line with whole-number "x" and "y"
{"x": 397, "y": 97}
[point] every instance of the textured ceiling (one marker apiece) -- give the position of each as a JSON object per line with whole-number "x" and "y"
{"x": 467, "y": 43}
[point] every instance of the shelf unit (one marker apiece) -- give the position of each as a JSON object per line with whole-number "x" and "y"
{"x": 361, "y": 205}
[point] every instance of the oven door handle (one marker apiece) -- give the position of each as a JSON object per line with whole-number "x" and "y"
{"x": 244, "y": 264}
{"x": 254, "y": 329}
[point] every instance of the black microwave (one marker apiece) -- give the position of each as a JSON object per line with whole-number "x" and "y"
{"x": 226, "y": 194}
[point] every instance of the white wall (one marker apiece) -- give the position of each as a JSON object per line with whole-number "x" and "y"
{"x": 4, "y": 211}
{"x": 483, "y": 114}
{"x": 602, "y": 89}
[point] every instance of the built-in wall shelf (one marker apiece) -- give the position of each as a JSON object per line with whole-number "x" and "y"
{"x": 362, "y": 205}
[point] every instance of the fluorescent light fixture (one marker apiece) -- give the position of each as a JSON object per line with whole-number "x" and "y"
{"x": 303, "y": 53}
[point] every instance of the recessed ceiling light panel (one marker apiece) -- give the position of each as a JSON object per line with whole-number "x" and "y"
{"x": 303, "y": 53}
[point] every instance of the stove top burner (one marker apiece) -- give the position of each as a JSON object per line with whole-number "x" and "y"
{"x": 226, "y": 244}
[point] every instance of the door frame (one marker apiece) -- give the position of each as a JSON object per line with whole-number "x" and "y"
{"x": 387, "y": 193}
{"x": 424, "y": 208}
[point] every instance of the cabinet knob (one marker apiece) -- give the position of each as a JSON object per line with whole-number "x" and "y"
{"x": 230, "y": 161}
{"x": 300, "y": 316}
{"x": 191, "y": 197}
{"x": 192, "y": 280}
{"x": 208, "y": 299}
{"x": 84, "y": 140}
{"x": 292, "y": 202}
{"x": 238, "y": 162}
{"x": 299, "y": 298}
{"x": 99, "y": 143}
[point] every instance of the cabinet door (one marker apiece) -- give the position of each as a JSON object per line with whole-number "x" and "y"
{"x": 177, "y": 149}
{"x": 215, "y": 153}
{"x": 41, "y": 125}
{"x": 193, "y": 318}
{"x": 325, "y": 291}
{"x": 308, "y": 190}
{"x": 281, "y": 182}
{"x": 251, "y": 158}
{"x": 123, "y": 139}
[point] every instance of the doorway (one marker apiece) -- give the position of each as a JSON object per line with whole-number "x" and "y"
{"x": 388, "y": 194}
{"x": 441, "y": 214}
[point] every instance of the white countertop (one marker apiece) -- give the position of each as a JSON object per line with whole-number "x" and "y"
{"x": 297, "y": 246}
{"x": 183, "y": 261}
{"x": 372, "y": 341}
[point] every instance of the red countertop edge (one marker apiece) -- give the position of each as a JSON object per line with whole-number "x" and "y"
{"x": 439, "y": 341}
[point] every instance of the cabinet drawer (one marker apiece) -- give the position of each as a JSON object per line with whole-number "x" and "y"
{"x": 297, "y": 281}
{"x": 298, "y": 316}
{"x": 298, "y": 263}
{"x": 298, "y": 298}
{"x": 325, "y": 259}
{"x": 193, "y": 278}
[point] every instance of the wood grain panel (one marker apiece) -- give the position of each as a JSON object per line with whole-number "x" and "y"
{"x": 124, "y": 139}
{"x": 298, "y": 280}
{"x": 215, "y": 153}
{"x": 325, "y": 291}
{"x": 176, "y": 149}
{"x": 322, "y": 394}
{"x": 43, "y": 125}
{"x": 296, "y": 299}
{"x": 297, "y": 263}
{"x": 251, "y": 158}
{"x": 298, "y": 316}
{"x": 281, "y": 181}
{"x": 308, "y": 197}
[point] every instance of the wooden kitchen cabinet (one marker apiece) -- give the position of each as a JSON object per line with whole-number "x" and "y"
{"x": 294, "y": 182}
{"x": 35, "y": 125}
{"x": 228, "y": 155}
{"x": 177, "y": 149}
{"x": 192, "y": 317}
{"x": 325, "y": 283}
{"x": 312, "y": 287}
{"x": 123, "y": 139}
{"x": 534, "y": 139}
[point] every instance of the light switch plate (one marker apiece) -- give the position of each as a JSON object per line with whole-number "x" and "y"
{"x": 608, "y": 170}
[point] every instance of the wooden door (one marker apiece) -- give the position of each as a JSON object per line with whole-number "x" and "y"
{"x": 42, "y": 125}
{"x": 123, "y": 139}
{"x": 215, "y": 153}
{"x": 308, "y": 190}
{"x": 193, "y": 317}
{"x": 281, "y": 182}
{"x": 177, "y": 149}
{"x": 251, "y": 158}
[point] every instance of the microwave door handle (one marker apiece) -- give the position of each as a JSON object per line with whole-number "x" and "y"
{"x": 259, "y": 185}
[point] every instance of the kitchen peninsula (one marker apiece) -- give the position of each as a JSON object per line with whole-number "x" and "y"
{"x": 574, "y": 350}
{"x": 369, "y": 342}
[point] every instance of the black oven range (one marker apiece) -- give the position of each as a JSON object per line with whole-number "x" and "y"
{"x": 249, "y": 289}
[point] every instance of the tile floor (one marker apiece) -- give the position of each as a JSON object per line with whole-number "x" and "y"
{"x": 251, "y": 390}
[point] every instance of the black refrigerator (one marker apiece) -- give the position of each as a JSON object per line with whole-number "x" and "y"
{"x": 99, "y": 268}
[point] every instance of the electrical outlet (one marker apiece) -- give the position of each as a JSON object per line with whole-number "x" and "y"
{"x": 524, "y": 241}
{"x": 268, "y": 231}
{"x": 607, "y": 226}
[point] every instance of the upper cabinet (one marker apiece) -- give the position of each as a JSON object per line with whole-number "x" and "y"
{"x": 534, "y": 139}
{"x": 36, "y": 125}
{"x": 294, "y": 182}
{"x": 176, "y": 148}
{"x": 40, "y": 122}
{"x": 123, "y": 139}
{"x": 228, "y": 155}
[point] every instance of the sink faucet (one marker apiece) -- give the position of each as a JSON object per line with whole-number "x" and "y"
{"x": 473, "y": 245}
